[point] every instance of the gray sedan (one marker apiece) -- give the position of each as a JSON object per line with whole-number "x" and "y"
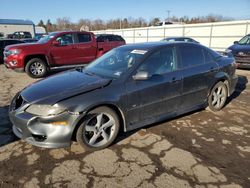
{"x": 127, "y": 88}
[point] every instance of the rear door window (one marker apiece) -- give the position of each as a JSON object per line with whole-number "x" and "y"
{"x": 111, "y": 38}
{"x": 82, "y": 38}
{"x": 208, "y": 56}
{"x": 191, "y": 55}
{"x": 100, "y": 39}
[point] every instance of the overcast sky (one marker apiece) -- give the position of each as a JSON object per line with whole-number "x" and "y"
{"x": 75, "y": 9}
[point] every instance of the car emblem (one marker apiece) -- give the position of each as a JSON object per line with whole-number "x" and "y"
{"x": 241, "y": 53}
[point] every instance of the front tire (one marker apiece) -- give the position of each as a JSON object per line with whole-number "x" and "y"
{"x": 36, "y": 68}
{"x": 99, "y": 130}
{"x": 218, "y": 97}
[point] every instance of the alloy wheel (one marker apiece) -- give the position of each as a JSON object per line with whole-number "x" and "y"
{"x": 99, "y": 129}
{"x": 219, "y": 97}
{"x": 37, "y": 68}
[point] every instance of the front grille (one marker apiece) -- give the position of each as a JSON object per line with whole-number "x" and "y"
{"x": 18, "y": 102}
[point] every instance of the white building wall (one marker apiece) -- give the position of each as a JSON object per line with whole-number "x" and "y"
{"x": 217, "y": 35}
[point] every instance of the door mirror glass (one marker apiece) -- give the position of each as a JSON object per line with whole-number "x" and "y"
{"x": 236, "y": 42}
{"x": 141, "y": 75}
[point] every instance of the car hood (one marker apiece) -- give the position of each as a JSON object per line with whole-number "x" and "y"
{"x": 239, "y": 48}
{"x": 22, "y": 45}
{"x": 61, "y": 86}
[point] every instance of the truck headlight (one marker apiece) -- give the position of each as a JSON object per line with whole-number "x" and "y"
{"x": 44, "y": 110}
{"x": 13, "y": 52}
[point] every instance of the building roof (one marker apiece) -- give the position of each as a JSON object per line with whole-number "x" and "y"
{"x": 16, "y": 22}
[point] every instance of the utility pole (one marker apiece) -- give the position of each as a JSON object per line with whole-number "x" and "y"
{"x": 168, "y": 11}
{"x": 120, "y": 23}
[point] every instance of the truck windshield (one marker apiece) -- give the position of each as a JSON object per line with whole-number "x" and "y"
{"x": 115, "y": 63}
{"x": 245, "y": 40}
{"x": 47, "y": 38}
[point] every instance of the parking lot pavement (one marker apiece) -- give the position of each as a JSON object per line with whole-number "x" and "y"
{"x": 201, "y": 149}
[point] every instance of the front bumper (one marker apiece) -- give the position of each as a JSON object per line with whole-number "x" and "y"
{"x": 14, "y": 62}
{"x": 40, "y": 131}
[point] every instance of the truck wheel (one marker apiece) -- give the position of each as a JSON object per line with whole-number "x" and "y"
{"x": 99, "y": 129}
{"x": 36, "y": 68}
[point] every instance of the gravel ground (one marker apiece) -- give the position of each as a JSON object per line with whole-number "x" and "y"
{"x": 201, "y": 149}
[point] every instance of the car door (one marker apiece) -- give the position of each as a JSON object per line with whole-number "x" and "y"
{"x": 86, "y": 48}
{"x": 159, "y": 95}
{"x": 63, "y": 53}
{"x": 198, "y": 73}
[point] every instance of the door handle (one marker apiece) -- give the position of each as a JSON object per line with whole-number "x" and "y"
{"x": 74, "y": 47}
{"x": 174, "y": 79}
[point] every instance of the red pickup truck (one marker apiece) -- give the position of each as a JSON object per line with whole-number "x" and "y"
{"x": 58, "y": 49}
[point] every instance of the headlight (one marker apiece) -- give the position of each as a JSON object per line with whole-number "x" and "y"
{"x": 13, "y": 52}
{"x": 44, "y": 110}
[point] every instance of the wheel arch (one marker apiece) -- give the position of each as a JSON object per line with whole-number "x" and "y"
{"x": 221, "y": 77}
{"x": 40, "y": 56}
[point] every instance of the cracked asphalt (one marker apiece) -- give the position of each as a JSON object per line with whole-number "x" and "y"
{"x": 201, "y": 149}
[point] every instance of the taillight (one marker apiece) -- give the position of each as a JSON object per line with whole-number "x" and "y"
{"x": 235, "y": 65}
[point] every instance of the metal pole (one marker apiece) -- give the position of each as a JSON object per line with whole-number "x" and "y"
{"x": 247, "y": 28}
{"x": 134, "y": 36}
{"x": 147, "y": 35}
{"x": 168, "y": 15}
{"x": 211, "y": 34}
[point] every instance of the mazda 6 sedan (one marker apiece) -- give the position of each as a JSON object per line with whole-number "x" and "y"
{"x": 127, "y": 88}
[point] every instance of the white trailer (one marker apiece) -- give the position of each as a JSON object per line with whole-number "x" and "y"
{"x": 9, "y": 26}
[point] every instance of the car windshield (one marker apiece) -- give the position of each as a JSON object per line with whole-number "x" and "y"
{"x": 47, "y": 38}
{"x": 116, "y": 62}
{"x": 245, "y": 40}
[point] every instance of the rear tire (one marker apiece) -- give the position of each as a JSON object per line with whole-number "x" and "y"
{"x": 99, "y": 129}
{"x": 36, "y": 68}
{"x": 218, "y": 97}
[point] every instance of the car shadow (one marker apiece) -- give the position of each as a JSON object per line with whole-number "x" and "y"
{"x": 240, "y": 87}
{"x": 6, "y": 134}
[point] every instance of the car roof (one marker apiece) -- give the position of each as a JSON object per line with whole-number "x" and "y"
{"x": 154, "y": 45}
{"x": 98, "y": 35}
{"x": 61, "y": 32}
{"x": 178, "y": 38}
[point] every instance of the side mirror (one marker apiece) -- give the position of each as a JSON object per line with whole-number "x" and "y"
{"x": 141, "y": 75}
{"x": 236, "y": 42}
{"x": 56, "y": 43}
